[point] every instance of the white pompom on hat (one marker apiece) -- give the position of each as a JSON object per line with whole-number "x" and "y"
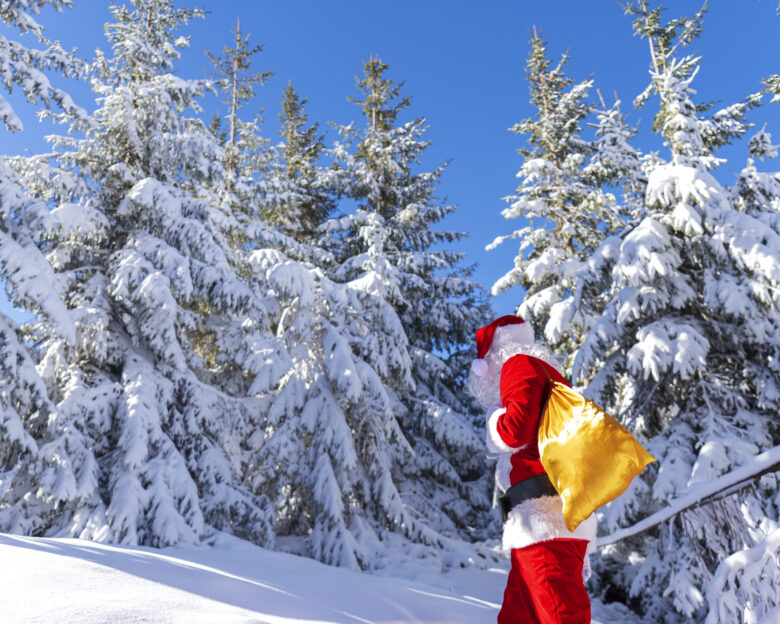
{"x": 479, "y": 368}
{"x": 503, "y": 331}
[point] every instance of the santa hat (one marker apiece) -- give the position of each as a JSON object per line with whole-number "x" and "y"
{"x": 504, "y": 330}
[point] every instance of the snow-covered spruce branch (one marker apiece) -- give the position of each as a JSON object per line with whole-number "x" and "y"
{"x": 764, "y": 463}
{"x": 746, "y": 585}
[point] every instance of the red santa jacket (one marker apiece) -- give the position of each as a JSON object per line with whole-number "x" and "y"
{"x": 513, "y": 428}
{"x": 512, "y": 434}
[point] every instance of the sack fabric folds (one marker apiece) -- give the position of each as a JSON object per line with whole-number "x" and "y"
{"x": 589, "y": 456}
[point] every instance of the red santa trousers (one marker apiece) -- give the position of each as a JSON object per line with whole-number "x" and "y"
{"x": 545, "y": 585}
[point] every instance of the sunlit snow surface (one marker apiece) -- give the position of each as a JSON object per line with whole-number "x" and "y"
{"x": 68, "y": 581}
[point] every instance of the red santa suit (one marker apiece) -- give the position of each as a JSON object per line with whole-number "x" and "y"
{"x": 549, "y": 562}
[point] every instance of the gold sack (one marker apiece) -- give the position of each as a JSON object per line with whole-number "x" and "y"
{"x": 589, "y": 456}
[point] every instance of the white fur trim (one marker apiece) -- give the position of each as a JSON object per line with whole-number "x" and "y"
{"x": 494, "y": 442}
{"x": 520, "y": 333}
{"x": 503, "y": 470}
{"x": 541, "y": 519}
{"x": 479, "y": 368}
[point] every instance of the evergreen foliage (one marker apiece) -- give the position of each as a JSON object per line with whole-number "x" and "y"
{"x": 439, "y": 305}
{"x": 374, "y": 470}
{"x": 392, "y": 232}
{"x": 662, "y": 283}
{"x": 684, "y": 351}
{"x": 138, "y": 447}
{"x": 205, "y": 355}
{"x": 296, "y": 195}
{"x": 23, "y": 67}
{"x": 237, "y": 84}
{"x": 563, "y": 195}
{"x": 26, "y": 452}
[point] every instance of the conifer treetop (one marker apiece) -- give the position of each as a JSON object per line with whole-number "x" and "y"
{"x": 302, "y": 145}
{"x": 671, "y": 77}
{"x": 382, "y": 100}
{"x": 232, "y": 70}
{"x": 296, "y": 197}
{"x": 664, "y": 38}
{"x": 139, "y": 59}
{"x": 548, "y": 88}
{"x": 564, "y": 194}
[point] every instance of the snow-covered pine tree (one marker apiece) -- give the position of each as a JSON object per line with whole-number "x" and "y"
{"x": 139, "y": 446}
{"x": 390, "y": 237}
{"x": 561, "y": 196}
{"x": 684, "y": 352}
{"x": 326, "y": 440}
{"x": 296, "y": 196}
{"x": 248, "y": 357}
{"x": 616, "y": 164}
{"x": 329, "y": 448}
{"x": 237, "y": 82}
{"x": 30, "y": 282}
{"x": 617, "y": 168}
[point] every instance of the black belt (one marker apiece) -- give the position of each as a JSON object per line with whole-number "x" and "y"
{"x": 533, "y": 487}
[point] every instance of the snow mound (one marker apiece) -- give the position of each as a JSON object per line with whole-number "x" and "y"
{"x": 71, "y": 581}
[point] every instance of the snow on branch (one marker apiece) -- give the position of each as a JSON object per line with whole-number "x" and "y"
{"x": 768, "y": 461}
{"x": 746, "y": 586}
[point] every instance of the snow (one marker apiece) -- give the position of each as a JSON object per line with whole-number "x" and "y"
{"x": 758, "y": 464}
{"x": 663, "y": 344}
{"x": 73, "y": 581}
{"x": 211, "y": 353}
{"x": 773, "y": 616}
{"x": 75, "y": 218}
{"x": 7, "y": 115}
{"x": 232, "y": 583}
{"x": 748, "y": 583}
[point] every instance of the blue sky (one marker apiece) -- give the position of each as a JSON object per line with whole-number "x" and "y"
{"x": 463, "y": 65}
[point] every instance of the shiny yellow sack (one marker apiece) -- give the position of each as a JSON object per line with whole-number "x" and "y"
{"x": 589, "y": 456}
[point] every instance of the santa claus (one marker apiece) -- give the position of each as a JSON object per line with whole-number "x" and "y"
{"x": 511, "y": 379}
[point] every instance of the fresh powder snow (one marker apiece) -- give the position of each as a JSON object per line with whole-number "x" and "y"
{"x": 71, "y": 581}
